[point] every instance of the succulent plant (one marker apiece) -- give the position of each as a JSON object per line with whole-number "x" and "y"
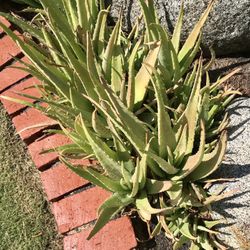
{"x": 142, "y": 104}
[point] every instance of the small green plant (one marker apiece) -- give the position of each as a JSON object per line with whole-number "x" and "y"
{"x": 139, "y": 103}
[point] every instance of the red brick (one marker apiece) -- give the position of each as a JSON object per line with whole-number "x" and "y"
{"x": 78, "y": 209}
{"x": 9, "y": 75}
{"x": 23, "y": 87}
{"x": 8, "y": 49}
{"x": 28, "y": 118}
{"x": 117, "y": 234}
{"x": 60, "y": 180}
{"x": 48, "y": 142}
{"x": 5, "y": 22}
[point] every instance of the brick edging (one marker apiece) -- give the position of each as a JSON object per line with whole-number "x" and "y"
{"x": 73, "y": 200}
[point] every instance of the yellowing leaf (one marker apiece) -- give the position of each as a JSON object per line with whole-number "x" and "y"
{"x": 143, "y": 77}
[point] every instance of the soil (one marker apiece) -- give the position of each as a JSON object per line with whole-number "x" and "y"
{"x": 6, "y": 6}
{"x": 241, "y": 80}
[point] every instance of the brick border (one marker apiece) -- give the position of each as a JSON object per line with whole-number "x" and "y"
{"x": 73, "y": 200}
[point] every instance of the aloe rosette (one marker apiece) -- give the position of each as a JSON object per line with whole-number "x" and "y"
{"x": 142, "y": 104}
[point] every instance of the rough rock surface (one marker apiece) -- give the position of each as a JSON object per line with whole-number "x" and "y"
{"x": 228, "y": 28}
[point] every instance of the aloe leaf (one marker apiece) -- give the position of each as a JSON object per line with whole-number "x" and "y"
{"x": 119, "y": 143}
{"x": 152, "y": 165}
{"x": 94, "y": 177}
{"x": 183, "y": 239}
{"x": 194, "y": 246}
{"x": 26, "y": 103}
{"x": 143, "y": 77}
{"x": 211, "y": 61}
{"x": 55, "y": 55}
{"x": 80, "y": 69}
{"x": 99, "y": 33}
{"x": 109, "y": 52}
{"x": 57, "y": 15}
{"x": 211, "y": 161}
{"x": 135, "y": 29}
{"x": 166, "y": 137}
{"x": 149, "y": 15}
{"x": 93, "y": 9}
{"x": 156, "y": 230}
{"x": 99, "y": 128}
{"x": 70, "y": 12}
{"x": 52, "y": 74}
{"x": 209, "y": 224}
{"x": 103, "y": 154}
{"x": 144, "y": 207}
{"x": 218, "y": 245}
{"x": 101, "y": 4}
{"x": 131, "y": 125}
{"x": 109, "y": 208}
{"x": 223, "y": 79}
{"x": 135, "y": 180}
{"x": 205, "y": 101}
{"x": 167, "y": 231}
{"x": 126, "y": 175}
{"x": 137, "y": 142}
{"x": 82, "y": 14}
{"x": 79, "y": 142}
{"x": 222, "y": 126}
{"x": 119, "y": 199}
{"x": 167, "y": 55}
{"x": 205, "y": 244}
{"x": 155, "y": 186}
{"x": 163, "y": 164}
{"x": 187, "y": 61}
{"x": 215, "y": 198}
{"x": 131, "y": 77}
{"x": 58, "y": 23}
{"x": 175, "y": 192}
{"x": 143, "y": 164}
{"x": 24, "y": 25}
{"x": 180, "y": 149}
{"x": 204, "y": 229}
{"x": 186, "y": 231}
{"x": 117, "y": 63}
{"x": 188, "y": 83}
{"x": 196, "y": 190}
{"x": 93, "y": 70}
{"x": 193, "y": 161}
{"x": 69, "y": 149}
{"x": 177, "y": 31}
{"x": 192, "y": 38}
{"x": 104, "y": 217}
{"x": 77, "y": 139}
{"x": 191, "y": 112}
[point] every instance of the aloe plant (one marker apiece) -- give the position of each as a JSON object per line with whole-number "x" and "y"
{"x": 139, "y": 104}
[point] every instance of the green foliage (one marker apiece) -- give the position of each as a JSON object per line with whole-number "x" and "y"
{"x": 139, "y": 103}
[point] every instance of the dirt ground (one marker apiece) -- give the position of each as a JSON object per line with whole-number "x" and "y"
{"x": 240, "y": 81}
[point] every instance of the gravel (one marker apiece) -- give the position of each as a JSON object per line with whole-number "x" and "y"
{"x": 236, "y": 209}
